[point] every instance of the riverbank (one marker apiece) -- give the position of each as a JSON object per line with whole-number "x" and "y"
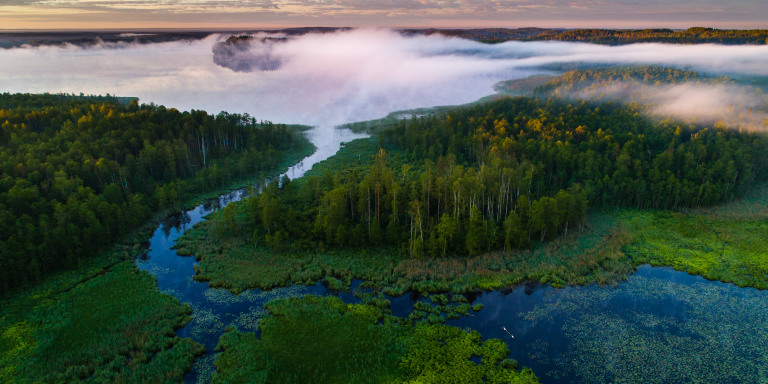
{"x": 106, "y": 319}
{"x": 721, "y": 243}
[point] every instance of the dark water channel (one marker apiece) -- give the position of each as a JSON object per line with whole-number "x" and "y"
{"x": 658, "y": 326}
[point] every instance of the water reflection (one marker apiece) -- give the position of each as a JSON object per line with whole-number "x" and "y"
{"x": 215, "y": 309}
{"x": 176, "y": 221}
{"x": 659, "y": 326}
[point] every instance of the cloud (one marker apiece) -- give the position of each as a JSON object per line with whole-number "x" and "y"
{"x": 445, "y": 13}
{"x": 169, "y": 5}
{"x": 17, "y": 10}
{"x": 333, "y": 78}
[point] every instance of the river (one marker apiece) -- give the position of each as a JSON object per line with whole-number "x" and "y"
{"x": 660, "y": 325}
{"x": 215, "y": 309}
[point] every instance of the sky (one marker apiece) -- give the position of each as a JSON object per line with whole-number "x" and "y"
{"x": 242, "y": 14}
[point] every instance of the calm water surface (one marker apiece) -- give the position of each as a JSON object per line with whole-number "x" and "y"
{"x": 215, "y": 309}
{"x": 658, "y": 326}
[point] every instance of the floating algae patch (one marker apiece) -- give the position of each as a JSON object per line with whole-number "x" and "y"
{"x": 207, "y": 324}
{"x": 223, "y": 296}
{"x": 204, "y": 369}
{"x": 660, "y": 326}
{"x": 249, "y": 321}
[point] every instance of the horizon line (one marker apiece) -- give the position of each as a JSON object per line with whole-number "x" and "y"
{"x": 271, "y": 28}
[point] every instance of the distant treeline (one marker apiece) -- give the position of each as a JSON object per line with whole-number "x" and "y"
{"x": 634, "y": 78}
{"x": 78, "y": 172}
{"x": 651, "y": 87}
{"x": 503, "y": 175}
{"x": 649, "y": 74}
{"x": 696, "y": 35}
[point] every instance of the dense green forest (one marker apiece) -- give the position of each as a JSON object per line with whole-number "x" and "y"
{"x": 230, "y": 258}
{"x": 604, "y": 76}
{"x": 76, "y": 173}
{"x": 323, "y": 340}
{"x": 738, "y": 104}
{"x": 695, "y": 35}
{"x": 503, "y": 175}
{"x": 619, "y": 156}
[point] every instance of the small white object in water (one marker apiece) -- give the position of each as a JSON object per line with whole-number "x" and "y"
{"x": 508, "y": 333}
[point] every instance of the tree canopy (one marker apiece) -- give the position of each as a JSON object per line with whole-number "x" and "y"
{"x": 77, "y": 172}
{"x": 502, "y": 175}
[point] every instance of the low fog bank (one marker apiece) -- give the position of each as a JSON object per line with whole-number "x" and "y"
{"x": 734, "y": 105}
{"x": 332, "y": 78}
{"x": 324, "y": 79}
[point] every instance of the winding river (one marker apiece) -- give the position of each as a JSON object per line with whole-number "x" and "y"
{"x": 214, "y": 308}
{"x": 659, "y": 326}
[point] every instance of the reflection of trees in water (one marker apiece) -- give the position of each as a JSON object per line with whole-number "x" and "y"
{"x": 177, "y": 221}
{"x": 211, "y": 205}
{"x": 144, "y": 255}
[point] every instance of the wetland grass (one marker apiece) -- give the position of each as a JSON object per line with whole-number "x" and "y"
{"x": 323, "y": 340}
{"x": 105, "y": 325}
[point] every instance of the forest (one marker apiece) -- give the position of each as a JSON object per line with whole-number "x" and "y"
{"x": 499, "y": 176}
{"x": 79, "y": 172}
{"x": 694, "y": 35}
{"x": 604, "y": 76}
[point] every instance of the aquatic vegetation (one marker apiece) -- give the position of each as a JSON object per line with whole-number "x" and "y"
{"x": 204, "y": 366}
{"x": 440, "y": 308}
{"x": 657, "y": 330}
{"x": 250, "y": 320}
{"x": 356, "y": 343}
{"x": 107, "y": 325}
{"x": 594, "y": 255}
{"x": 336, "y": 284}
{"x": 218, "y": 309}
{"x": 725, "y": 243}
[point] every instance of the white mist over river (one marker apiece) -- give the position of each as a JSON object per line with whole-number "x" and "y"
{"x": 664, "y": 325}
{"x": 333, "y": 78}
